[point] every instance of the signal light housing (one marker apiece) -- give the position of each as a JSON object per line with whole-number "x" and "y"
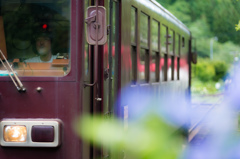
{"x": 30, "y": 133}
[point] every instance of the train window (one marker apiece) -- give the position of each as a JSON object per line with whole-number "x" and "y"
{"x": 37, "y": 36}
{"x": 133, "y": 65}
{"x": 164, "y": 51}
{"x": 144, "y": 30}
{"x": 155, "y": 35}
{"x": 164, "y": 39}
{"x": 169, "y": 68}
{"x": 161, "y": 67}
{"x": 133, "y": 71}
{"x": 171, "y": 42}
{"x": 177, "y": 45}
{"x": 165, "y": 67}
{"x": 133, "y": 25}
{"x": 144, "y": 52}
{"x": 183, "y": 42}
{"x": 172, "y": 54}
{"x": 144, "y": 66}
{"x": 178, "y": 48}
{"x": 154, "y": 64}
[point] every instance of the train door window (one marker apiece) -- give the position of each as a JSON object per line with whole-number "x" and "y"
{"x": 155, "y": 42}
{"x": 37, "y": 36}
{"x": 133, "y": 64}
{"x": 143, "y": 66}
{"x": 164, "y": 52}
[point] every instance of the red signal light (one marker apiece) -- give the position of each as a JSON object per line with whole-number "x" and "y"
{"x": 44, "y": 26}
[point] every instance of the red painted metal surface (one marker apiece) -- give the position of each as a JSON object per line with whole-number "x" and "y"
{"x": 60, "y": 98}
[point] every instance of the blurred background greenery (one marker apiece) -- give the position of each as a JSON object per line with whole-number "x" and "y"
{"x": 212, "y": 23}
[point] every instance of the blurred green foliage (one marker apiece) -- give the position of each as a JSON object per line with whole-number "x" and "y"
{"x": 150, "y": 138}
{"x": 205, "y": 75}
{"x": 204, "y": 88}
{"x": 204, "y": 71}
{"x": 221, "y": 69}
{"x": 207, "y": 70}
{"x": 208, "y": 19}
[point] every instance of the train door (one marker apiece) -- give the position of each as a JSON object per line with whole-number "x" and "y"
{"x": 111, "y": 65}
{"x": 99, "y": 98}
{"x": 113, "y": 61}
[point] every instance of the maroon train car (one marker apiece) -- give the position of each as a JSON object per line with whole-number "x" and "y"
{"x": 62, "y": 59}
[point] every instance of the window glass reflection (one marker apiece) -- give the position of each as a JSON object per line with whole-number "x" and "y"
{"x": 133, "y": 24}
{"x": 37, "y": 35}
{"x": 155, "y": 35}
{"x": 164, "y": 39}
{"x": 144, "y": 29}
{"x": 141, "y": 67}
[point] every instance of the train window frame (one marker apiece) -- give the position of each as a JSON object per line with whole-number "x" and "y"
{"x": 41, "y": 71}
{"x": 146, "y": 47}
{"x": 133, "y": 65}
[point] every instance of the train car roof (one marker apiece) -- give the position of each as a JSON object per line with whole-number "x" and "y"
{"x": 158, "y": 8}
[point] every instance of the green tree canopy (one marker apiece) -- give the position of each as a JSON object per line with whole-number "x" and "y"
{"x": 221, "y": 15}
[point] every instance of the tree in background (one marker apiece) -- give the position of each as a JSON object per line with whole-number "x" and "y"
{"x": 220, "y": 15}
{"x": 208, "y": 19}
